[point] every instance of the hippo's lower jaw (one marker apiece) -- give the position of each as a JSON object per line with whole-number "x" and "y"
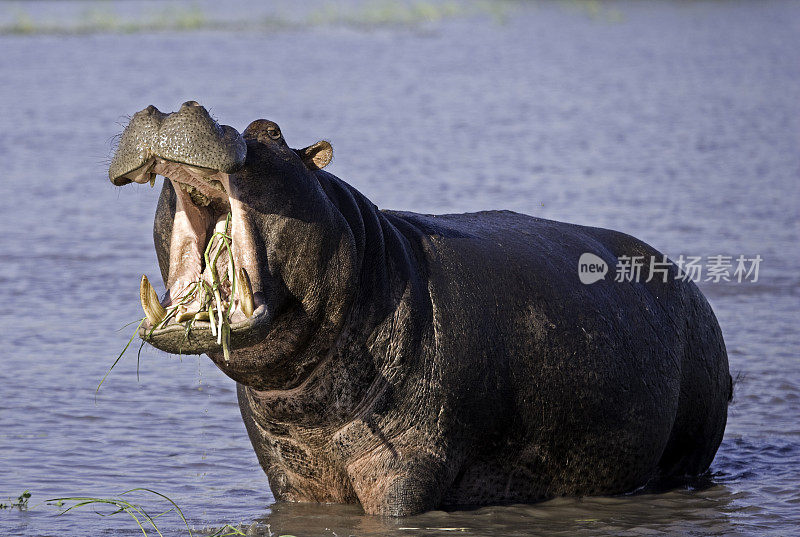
{"x": 175, "y": 339}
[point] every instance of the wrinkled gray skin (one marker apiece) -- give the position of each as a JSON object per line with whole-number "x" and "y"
{"x": 409, "y": 362}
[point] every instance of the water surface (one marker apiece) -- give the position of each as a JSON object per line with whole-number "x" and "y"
{"x": 676, "y": 122}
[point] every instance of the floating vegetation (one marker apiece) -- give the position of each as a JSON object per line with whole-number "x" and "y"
{"x": 366, "y": 14}
{"x": 21, "y": 503}
{"x": 144, "y": 520}
{"x": 387, "y": 12}
{"x": 103, "y": 20}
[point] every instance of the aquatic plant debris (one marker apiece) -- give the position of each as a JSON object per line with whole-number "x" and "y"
{"x": 20, "y": 503}
{"x": 363, "y": 15}
{"x": 137, "y": 512}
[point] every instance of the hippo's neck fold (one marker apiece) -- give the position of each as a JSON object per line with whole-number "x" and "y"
{"x": 388, "y": 311}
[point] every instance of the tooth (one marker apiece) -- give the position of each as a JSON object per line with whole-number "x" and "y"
{"x": 152, "y": 180}
{"x": 245, "y": 293}
{"x": 153, "y": 309}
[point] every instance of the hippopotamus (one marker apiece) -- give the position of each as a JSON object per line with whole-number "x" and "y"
{"x": 408, "y": 362}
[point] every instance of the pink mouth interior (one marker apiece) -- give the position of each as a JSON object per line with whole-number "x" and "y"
{"x": 202, "y": 207}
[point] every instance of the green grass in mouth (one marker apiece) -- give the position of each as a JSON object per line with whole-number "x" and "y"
{"x": 211, "y": 303}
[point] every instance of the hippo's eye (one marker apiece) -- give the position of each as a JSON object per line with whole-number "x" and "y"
{"x": 274, "y": 133}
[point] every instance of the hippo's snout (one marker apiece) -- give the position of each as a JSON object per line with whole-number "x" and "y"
{"x": 189, "y": 137}
{"x": 211, "y": 267}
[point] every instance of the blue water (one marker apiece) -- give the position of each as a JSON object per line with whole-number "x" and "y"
{"x": 677, "y": 122}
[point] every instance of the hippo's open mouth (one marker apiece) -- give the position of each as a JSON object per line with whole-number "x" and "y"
{"x": 209, "y": 304}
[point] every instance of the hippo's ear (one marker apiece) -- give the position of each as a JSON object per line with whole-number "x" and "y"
{"x": 316, "y": 156}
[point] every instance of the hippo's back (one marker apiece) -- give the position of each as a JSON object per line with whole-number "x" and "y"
{"x": 601, "y": 385}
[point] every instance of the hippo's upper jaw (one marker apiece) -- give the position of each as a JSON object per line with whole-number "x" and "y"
{"x": 189, "y": 137}
{"x": 212, "y": 263}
